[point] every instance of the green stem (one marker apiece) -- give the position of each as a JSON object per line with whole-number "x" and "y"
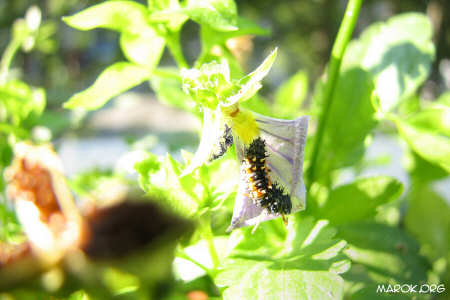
{"x": 337, "y": 53}
{"x": 212, "y": 249}
{"x": 160, "y": 72}
{"x": 8, "y": 55}
{"x": 174, "y": 45}
{"x": 181, "y": 253}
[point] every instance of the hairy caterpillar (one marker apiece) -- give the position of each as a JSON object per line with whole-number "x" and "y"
{"x": 262, "y": 190}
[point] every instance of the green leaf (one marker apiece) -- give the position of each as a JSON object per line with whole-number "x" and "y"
{"x": 259, "y": 105}
{"x": 123, "y": 16}
{"x": 290, "y": 96}
{"x": 38, "y": 101}
{"x": 267, "y": 241}
{"x": 306, "y": 267}
{"x": 211, "y": 37}
{"x": 251, "y": 83}
{"x": 114, "y": 80}
{"x": 120, "y": 282}
{"x": 247, "y": 27}
{"x": 422, "y": 170}
{"x": 428, "y": 219}
{"x": 10, "y": 229}
{"x": 444, "y": 99}
{"x": 369, "y": 292}
{"x": 435, "y": 119}
{"x": 398, "y": 53}
{"x": 212, "y": 131}
{"x": 78, "y": 295}
{"x": 144, "y": 48}
{"x": 387, "y": 253}
{"x": 210, "y": 84}
{"x": 139, "y": 41}
{"x": 18, "y": 131}
{"x": 212, "y": 40}
{"x": 428, "y": 134}
{"x": 169, "y": 13}
{"x": 20, "y": 101}
{"x": 359, "y": 200}
{"x": 86, "y": 182}
{"x": 147, "y": 167}
{"x": 351, "y": 119}
{"x": 262, "y": 280}
{"x": 218, "y": 14}
{"x": 199, "y": 252}
{"x": 160, "y": 178}
{"x": 173, "y": 18}
{"x": 168, "y": 88}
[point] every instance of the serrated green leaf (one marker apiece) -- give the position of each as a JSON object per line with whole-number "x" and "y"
{"x": 123, "y": 16}
{"x": 359, "y": 200}
{"x": 267, "y": 241}
{"x": 387, "y": 253}
{"x": 290, "y": 96}
{"x": 257, "y": 280}
{"x": 114, "y": 80}
{"x": 218, "y": 14}
{"x": 306, "y": 266}
{"x": 144, "y": 48}
{"x": 398, "y": 53}
{"x": 427, "y": 133}
{"x": 369, "y": 292}
{"x": 351, "y": 118}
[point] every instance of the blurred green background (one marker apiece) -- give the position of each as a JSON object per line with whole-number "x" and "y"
{"x": 66, "y": 61}
{"x": 303, "y": 30}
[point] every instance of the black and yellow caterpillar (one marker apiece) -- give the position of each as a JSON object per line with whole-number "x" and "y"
{"x": 262, "y": 190}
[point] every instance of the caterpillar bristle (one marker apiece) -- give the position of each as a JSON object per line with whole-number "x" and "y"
{"x": 263, "y": 191}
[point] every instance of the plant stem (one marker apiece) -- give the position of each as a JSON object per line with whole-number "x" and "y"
{"x": 174, "y": 45}
{"x": 337, "y": 53}
{"x": 167, "y": 73}
{"x": 181, "y": 253}
{"x": 7, "y": 58}
{"x": 212, "y": 249}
